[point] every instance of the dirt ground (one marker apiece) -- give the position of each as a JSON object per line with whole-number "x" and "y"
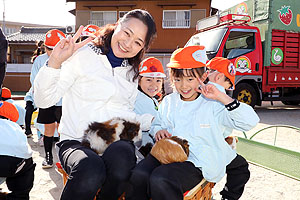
{"x": 263, "y": 184}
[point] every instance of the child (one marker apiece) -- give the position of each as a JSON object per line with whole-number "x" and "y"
{"x": 151, "y": 78}
{"x": 200, "y": 118}
{"x": 89, "y": 30}
{"x": 17, "y": 166}
{"x": 6, "y": 96}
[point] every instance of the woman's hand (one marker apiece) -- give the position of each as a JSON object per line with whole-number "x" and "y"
{"x": 65, "y": 49}
{"x": 162, "y": 134}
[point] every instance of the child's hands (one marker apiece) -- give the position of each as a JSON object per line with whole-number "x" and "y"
{"x": 211, "y": 91}
{"x": 162, "y": 134}
{"x": 65, "y": 49}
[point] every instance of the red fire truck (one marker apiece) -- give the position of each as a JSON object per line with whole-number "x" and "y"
{"x": 264, "y": 48}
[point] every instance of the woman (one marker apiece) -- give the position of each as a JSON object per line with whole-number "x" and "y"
{"x": 97, "y": 82}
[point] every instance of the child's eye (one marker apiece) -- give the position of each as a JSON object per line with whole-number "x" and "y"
{"x": 126, "y": 33}
{"x": 176, "y": 79}
{"x": 158, "y": 80}
{"x": 191, "y": 79}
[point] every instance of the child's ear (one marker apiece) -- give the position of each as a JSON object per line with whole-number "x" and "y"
{"x": 220, "y": 76}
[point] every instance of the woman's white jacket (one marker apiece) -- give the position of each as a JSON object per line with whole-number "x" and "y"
{"x": 91, "y": 89}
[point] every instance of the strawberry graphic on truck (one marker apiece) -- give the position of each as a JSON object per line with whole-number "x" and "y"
{"x": 285, "y": 15}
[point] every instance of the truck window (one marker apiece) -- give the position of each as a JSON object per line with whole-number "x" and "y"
{"x": 238, "y": 43}
{"x": 210, "y": 39}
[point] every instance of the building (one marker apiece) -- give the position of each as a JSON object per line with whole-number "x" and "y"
{"x": 175, "y": 19}
{"x": 12, "y": 27}
{"x": 21, "y": 46}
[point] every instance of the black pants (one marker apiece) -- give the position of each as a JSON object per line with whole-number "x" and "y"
{"x": 28, "y": 115}
{"x": 238, "y": 175}
{"x": 161, "y": 182}
{"x": 19, "y": 175}
{"x": 150, "y": 179}
{"x": 120, "y": 160}
{"x": 88, "y": 172}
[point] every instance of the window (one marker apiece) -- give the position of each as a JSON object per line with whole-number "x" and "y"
{"x": 122, "y": 13}
{"x": 101, "y": 18}
{"x": 176, "y": 18}
{"x": 239, "y": 43}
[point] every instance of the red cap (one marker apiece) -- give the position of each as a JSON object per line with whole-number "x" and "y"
{"x": 90, "y": 29}
{"x": 151, "y": 67}
{"x": 224, "y": 66}
{"x": 6, "y": 93}
{"x": 9, "y": 111}
{"x": 53, "y": 37}
{"x": 188, "y": 58}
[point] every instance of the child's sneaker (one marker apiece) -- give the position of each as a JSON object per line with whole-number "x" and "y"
{"x": 48, "y": 162}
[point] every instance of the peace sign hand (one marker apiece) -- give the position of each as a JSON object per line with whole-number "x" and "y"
{"x": 65, "y": 49}
{"x": 209, "y": 91}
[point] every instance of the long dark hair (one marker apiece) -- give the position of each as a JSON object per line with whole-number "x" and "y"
{"x": 39, "y": 50}
{"x": 105, "y": 35}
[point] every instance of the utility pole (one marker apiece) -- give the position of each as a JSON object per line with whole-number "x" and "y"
{"x": 3, "y": 25}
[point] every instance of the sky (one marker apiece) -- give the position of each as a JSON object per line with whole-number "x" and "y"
{"x": 55, "y": 12}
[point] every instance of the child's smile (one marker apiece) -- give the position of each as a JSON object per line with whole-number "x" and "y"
{"x": 151, "y": 86}
{"x": 186, "y": 86}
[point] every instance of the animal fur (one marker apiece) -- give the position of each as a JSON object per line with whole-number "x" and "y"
{"x": 99, "y": 136}
{"x": 169, "y": 150}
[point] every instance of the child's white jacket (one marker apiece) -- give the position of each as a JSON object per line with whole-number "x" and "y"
{"x": 13, "y": 141}
{"x": 145, "y": 104}
{"x": 91, "y": 89}
{"x": 203, "y": 122}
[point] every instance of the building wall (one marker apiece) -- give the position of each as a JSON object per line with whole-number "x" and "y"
{"x": 168, "y": 39}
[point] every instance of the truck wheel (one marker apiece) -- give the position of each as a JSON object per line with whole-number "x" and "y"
{"x": 291, "y": 102}
{"x": 245, "y": 93}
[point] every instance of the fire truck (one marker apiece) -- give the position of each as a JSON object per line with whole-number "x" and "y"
{"x": 262, "y": 39}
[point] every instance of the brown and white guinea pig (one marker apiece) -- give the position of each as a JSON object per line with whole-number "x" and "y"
{"x": 169, "y": 150}
{"x": 98, "y": 136}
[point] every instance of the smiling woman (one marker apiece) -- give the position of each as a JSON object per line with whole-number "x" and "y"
{"x": 98, "y": 81}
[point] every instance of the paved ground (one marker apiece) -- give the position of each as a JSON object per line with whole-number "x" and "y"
{"x": 263, "y": 184}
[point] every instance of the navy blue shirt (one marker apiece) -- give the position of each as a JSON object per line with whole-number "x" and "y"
{"x": 114, "y": 60}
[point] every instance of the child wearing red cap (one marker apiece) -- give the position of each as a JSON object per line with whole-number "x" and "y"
{"x": 50, "y": 116}
{"x": 17, "y": 166}
{"x": 89, "y": 30}
{"x": 6, "y": 96}
{"x": 200, "y": 118}
{"x": 151, "y": 78}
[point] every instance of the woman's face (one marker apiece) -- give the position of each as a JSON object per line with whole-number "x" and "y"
{"x": 129, "y": 38}
{"x": 151, "y": 86}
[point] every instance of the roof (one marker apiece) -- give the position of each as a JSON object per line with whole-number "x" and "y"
{"x": 31, "y": 35}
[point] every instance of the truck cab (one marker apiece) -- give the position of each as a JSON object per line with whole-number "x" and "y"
{"x": 232, "y": 37}
{"x": 241, "y": 44}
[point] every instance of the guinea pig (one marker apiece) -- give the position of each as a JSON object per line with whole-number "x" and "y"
{"x": 169, "y": 150}
{"x": 98, "y": 136}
